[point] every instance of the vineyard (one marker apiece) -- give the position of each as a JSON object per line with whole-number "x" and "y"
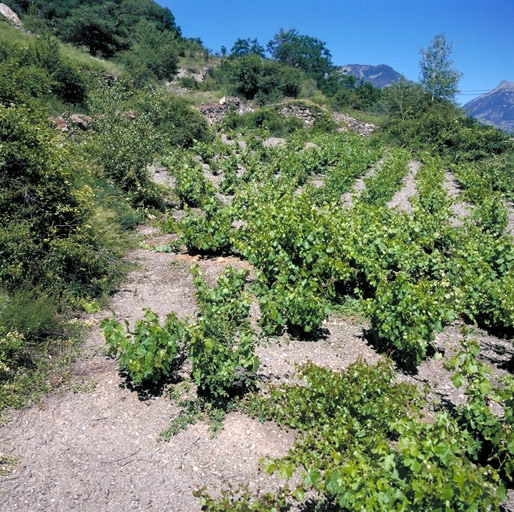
{"x": 315, "y": 244}
{"x": 220, "y": 291}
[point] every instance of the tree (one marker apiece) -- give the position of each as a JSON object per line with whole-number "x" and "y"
{"x": 154, "y": 53}
{"x": 247, "y": 46}
{"x": 405, "y": 100}
{"x": 437, "y": 76}
{"x": 94, "y": 27}
{"x": 300, "y": 51}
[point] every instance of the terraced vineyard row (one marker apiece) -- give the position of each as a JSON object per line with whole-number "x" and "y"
{"x": 411, "y": 273}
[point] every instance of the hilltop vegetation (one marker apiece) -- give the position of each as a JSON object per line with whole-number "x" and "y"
{"x": 82, "y": 128}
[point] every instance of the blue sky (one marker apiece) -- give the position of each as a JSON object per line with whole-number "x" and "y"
{"x": 370, "y": 31}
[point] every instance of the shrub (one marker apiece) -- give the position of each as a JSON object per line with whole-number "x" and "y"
{"x": 362, "y": 444}
{"x": 208, "y": 234}
{"x": 147, "y": 353}
{"x": 44, "y": 217}
{"x": 175, "y": 122}
{"x": 222, "y": 343}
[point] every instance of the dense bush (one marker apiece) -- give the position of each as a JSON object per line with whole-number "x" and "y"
{"x": 125, "y": 147}
{"x": 265, "y": 119}
{"x": 174, "y": 121}
{"x": 154, "y": 53}
{"x": 45, "y": 236}
{"x": 38, "y": 70}
{"x": 417, "y": 121}
{"x": 265, "y": 81}
{"x": 103, "y": 26}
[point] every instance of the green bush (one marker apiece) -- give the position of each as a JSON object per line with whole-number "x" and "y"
{"x": 192, "y": 187}
{"x": 404, "y": 317}
{"x": 154, "y": 53}
{"x": 12, "y": 350}
{"x": 208, "y": 234}
{"x": 39, "y": 70}
{"x": 222, "y": 343}
{"x": 44, "y": 217}
{"x": 174, "y": 121}
{"x": 363, "y": 445}
{"x": 149, "y": 352}
{"x": 253, "y": 77}
{"x": 493, "y": 435}
{"x": 30, "y": 312}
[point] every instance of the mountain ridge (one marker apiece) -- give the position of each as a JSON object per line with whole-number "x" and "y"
{"x": 495, "y": 108}
{"x": 380, "y": 76}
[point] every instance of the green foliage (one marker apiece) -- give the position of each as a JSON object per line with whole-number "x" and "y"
{"x": 12, "y": 351}
{"x": 417, "y": 121}
{"x": 104, "y": 26}
{"x": 301, "y": 51}
{"x": 266, "y": 81}
{"x": 247, "y": 46}
{"x": 126, "y": 147}
{"x": 297, "y": 245}
{"x": 240, "y": 500}
{"x": 189, "y": 415}
{"x": 437, "y": 76}
{"x": 295, "y": 251}
{"x": 192, "y": 187}
{"x": 479, "y": 180}
{"x": 345, "y": 93}
{"x": 266, "y": 120}
{"x": 493, "y": 435}
{"x": 492, "y": 215}
{"x": 154, "y": 53}
{"x": 38, "y": 70}
{"x": 387, "y": 179}
{"x": 222, "y": 343}
{"x": 126, "y": 141}
{"x": 45, "y": 237}
{"x": 147, "y": 353}
{"x": 30, "y": 312}
{"x": 174, "y": 121}
{"x": 363, "y": 444}
{"x": 208, "y": 234}
{"x": 405, "y": 315}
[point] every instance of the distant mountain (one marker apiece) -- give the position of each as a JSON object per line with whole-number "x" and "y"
{"x": 495, "y": 107}
{"x": 380, "y": 76}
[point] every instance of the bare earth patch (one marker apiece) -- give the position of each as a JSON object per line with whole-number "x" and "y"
{"x": 360, "y": 185}
{"x": 461, "y": 209}
{"x": 408, "y": 190}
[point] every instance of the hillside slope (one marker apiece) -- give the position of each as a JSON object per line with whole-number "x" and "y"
{"x": 496, "y": 107}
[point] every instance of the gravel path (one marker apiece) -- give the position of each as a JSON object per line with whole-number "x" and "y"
{"x": 408, "y": 190}
{"x": 461, "y": 209}
{"x": 360, "y": 185}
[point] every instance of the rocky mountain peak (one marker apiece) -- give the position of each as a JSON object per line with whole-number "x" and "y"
{"x": 495, "y": 107}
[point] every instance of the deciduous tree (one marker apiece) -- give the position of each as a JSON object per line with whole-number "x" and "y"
{"x": 301, "y": 51}
{"x": 437, "y": 75}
